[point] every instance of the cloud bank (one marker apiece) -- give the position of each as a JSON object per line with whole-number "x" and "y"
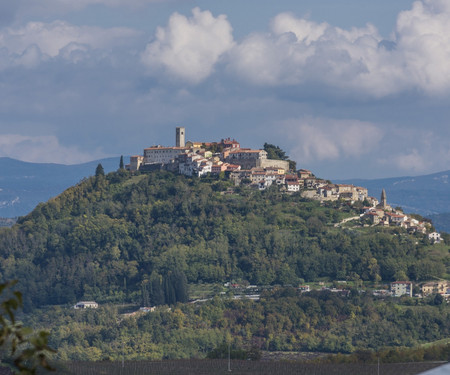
{"x": 189, "y": 48}
{"x": 295, "y": 52}
{"x": 45, "y": 149}
{"x": 329, "y": 139}
{"x": 326, "y": 92}
{"x": 299, "y": 52}
{"x": 38, "y": 42}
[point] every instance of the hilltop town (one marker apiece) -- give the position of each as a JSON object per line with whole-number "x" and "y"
{"x": 254, "y": 168}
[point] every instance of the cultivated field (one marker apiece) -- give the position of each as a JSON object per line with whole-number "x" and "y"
{"x": 204, "y": 367}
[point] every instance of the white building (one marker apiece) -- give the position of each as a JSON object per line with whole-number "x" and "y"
{"x": 401, "y": 288}
{"x": 193, "y": 164}
{"x": 86, "y": 305}
{"x": 162, "y": 155}
{"x": 435, "y": 237}
{"x": 292, "y": 186}
{"x": 135, "y": 163}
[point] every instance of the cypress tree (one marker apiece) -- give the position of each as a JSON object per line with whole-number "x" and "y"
{"x": 99, "y": 171}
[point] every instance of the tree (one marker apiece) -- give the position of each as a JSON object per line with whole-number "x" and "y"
{"x": 274, "y": 152}
{"x": 438, "y": 299}
{"x": 99, "y": 171}
{"x": 121, "y": 162}
{"x": 28, "y": 350}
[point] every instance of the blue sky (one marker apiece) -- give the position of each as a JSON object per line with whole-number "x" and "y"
{"x": 349, "y": 88}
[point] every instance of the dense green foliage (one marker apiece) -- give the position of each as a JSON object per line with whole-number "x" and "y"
{"x": 21, "y": 349}
{"x": 283, "y": 320}
{"x": 141, "y": 238}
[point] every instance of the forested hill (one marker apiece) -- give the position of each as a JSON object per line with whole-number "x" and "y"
{"x": 141, "y": 238}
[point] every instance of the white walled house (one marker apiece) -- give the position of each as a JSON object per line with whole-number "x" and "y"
{"x": 435, "y": 237}
{"x": 86, "y": 305}
{"x": 292, "y": 186}
{"x": 401, "y": 288}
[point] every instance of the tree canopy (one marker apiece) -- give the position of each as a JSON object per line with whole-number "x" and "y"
{"x": 108, "y": 237}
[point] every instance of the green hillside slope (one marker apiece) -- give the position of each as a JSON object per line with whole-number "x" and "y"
{"x": 143, "y": 238}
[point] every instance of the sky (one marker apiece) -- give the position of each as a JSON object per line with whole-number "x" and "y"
{"x": 349, "y": 88}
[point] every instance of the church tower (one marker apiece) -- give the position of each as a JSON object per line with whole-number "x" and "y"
{"x": 180, "y": 137}
{"x": 383, "y": 202}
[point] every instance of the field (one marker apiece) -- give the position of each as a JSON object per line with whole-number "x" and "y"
{"x": 204, "y": 367}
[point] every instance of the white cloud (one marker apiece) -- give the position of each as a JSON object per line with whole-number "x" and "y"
{"x": 43, "y": 149}
{"x": 329, "y": 139}
{"x": 423, "y": 38}
{"x": 417, "y": 151}
{"x": 298, "y": 52}
{"x": 38, "y": 41}
{"x": 412, "y": 161}
{"x": 189, "y": 48}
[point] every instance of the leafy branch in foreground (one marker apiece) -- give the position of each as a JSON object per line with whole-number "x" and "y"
{"x": 27, "y": 350}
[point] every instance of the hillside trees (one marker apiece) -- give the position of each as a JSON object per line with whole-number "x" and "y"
{"x": 109, "y": 235}
{"x": 282, "y": 319}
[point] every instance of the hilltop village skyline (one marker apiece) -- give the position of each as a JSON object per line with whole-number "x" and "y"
{"x": 253, "y": 167}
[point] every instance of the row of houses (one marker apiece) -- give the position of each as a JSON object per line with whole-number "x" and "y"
{"x": 199, "y": 158}
{"x": 405, "y": 288}
{"x": 242, "y": 165}
{"x": 378, "y": 216}
{"x": 323, "y": 191}
{"x": 253, "y": 167}
{"x": 398, "y": 289}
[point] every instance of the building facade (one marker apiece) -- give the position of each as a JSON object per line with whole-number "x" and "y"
{"x": 401, "y": 288}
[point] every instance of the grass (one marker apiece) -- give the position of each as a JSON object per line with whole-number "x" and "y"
{"x": 438, "y": 342}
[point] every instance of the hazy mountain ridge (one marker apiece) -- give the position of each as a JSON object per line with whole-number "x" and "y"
{"x": 441, "y": 221}
{"x": 23, "y": 185}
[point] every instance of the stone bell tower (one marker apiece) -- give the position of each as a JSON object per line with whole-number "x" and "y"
{"x": 180, "y": 137}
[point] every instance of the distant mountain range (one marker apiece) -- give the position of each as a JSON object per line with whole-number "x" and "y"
{"x": 427, "y": 195}
{"x": 24, "y": 185}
